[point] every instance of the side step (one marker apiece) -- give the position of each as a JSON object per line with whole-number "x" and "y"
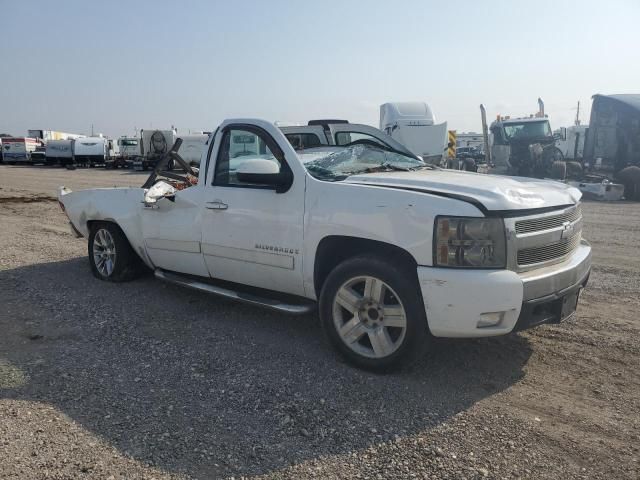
{"x": 251, "y": 299}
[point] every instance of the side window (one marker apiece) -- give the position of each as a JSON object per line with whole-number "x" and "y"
{"x": 344, "y": 138}
{"x": 237, "y": 147}
{"x": 300, "y": 141}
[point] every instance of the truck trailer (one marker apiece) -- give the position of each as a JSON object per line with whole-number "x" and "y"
{"x": 18, "y": 149}
{"x": 92, "y": 151}
{"x": 59, "y": 152}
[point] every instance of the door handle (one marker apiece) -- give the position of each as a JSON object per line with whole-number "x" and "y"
{"x": 217, "y": 205}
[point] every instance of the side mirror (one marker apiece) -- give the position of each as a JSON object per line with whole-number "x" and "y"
{"x": 158, "y": 191}
{"x": 561, "y": 134}
{"x": 265, "y": 172}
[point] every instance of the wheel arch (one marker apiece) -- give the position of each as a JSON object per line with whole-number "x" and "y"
{"x": 334, "y": 249}
{"x": 136, "y": 248}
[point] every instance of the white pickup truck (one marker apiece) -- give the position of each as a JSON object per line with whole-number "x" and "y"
{"x": 391, "y": 250}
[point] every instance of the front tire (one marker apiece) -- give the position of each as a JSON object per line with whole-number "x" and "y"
{"x": 630, "y": 178}
{"x": 559, "y": 170}
{"x": 111, "y": 257}
{"x": 372, "y": 312}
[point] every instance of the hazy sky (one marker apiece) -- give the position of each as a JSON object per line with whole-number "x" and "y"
{"x": 120, "y": 65}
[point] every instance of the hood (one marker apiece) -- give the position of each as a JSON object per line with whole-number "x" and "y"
{"x": 487, "y": 192}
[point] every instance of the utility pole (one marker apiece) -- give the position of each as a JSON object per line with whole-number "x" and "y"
{"x": 578, "y": 115}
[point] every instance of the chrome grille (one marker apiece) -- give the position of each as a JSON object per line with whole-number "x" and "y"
{"x": 546, "y": 223}
{"x": 546, "y": 253}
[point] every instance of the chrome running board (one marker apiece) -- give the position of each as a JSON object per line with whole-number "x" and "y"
{"x": 249, "y": 298}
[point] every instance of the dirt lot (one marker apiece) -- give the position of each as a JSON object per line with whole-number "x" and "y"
{"x": 146, "y": 380}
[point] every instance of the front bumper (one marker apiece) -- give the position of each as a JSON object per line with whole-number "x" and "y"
{"x": 482, "y": 303}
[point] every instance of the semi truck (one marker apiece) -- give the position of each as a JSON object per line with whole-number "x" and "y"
{"x": 612, "y": 143}
{"x": 154, "y": 144}
{"x": 413, "y": 124}
{"x": 126, "y": 149}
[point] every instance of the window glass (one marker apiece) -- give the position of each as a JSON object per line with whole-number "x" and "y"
{"x": 344, "y": 138}
{"x": 300, "y": 141}
{"x": 527, "y": 130}
{"x": 239, "y": 146}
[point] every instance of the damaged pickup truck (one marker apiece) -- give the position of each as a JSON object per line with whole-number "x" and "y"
{"x": 390, "y": 250}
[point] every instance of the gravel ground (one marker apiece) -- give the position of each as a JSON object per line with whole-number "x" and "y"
{"x": 147, "y": 380}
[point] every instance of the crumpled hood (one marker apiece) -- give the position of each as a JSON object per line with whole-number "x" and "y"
{"x": 493, "y": 192}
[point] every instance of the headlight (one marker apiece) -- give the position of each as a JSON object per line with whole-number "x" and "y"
{"x": 469, "y": 242}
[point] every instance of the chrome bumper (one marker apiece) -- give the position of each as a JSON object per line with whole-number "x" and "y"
{"x": 546, "y": 281}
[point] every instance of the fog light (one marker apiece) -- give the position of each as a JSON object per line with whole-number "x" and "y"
{"x": 491, "y": 319}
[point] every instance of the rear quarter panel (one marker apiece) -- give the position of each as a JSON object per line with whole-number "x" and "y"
{"x": 119, "y": 205}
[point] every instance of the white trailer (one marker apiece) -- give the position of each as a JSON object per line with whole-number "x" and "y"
{"x": 18, "y": 149}
{"x": 47, "y": 135}
{"x": 59, "y": 152}
{"x": 91, "y": 151}
{"x": 413, "y": 124}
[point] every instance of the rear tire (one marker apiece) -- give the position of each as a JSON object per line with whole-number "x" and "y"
{"x": 110, "y": 255}
{"x": 559, "y": 170}
{"x": 372, "y": 312}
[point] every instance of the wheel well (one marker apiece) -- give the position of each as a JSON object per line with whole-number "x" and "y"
{"x": 333, "y": 250}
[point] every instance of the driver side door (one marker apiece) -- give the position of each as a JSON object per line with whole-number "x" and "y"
{"x": 252, "y": 233}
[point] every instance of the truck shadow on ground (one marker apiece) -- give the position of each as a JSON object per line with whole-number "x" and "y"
{"x": 195, "y": 384}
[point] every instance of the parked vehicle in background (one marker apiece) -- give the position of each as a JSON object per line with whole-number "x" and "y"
{"x": 526, "y": 147}
{"x": 571, "y": 141}
{"x": 612, "y": 146}
{"x": 413, "y": 124}
{"x": 125, "y": 150}
{"x": 59, "y": 152}
{"x": 18, "y": 149}
{"x": 46, "y": 135}
{"x": 154, "y": 144}
{"x": 191, "y": 149}
{"x": 339, "y": 133}
{"x": 92, "y": 151}
{"x": 392, "y": 250}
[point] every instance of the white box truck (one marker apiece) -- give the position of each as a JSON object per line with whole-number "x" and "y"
{"x": 18, "y": 149}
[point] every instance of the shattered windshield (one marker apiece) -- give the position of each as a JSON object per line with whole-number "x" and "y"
{"x": 527, "y": 130}
{"x": 338, "y": 163}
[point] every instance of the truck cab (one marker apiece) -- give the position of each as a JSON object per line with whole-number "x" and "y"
{"x": 524, "y": 147}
